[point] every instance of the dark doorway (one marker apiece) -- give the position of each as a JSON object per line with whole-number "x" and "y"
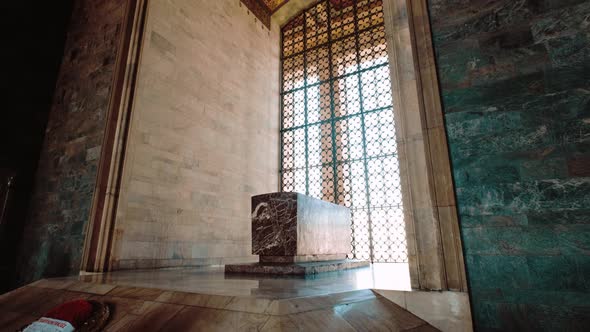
{"x": 34, "y": 33}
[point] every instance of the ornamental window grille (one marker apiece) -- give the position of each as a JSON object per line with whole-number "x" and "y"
{"x": 337, "y": 123}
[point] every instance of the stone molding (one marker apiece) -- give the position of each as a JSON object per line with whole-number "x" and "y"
{"x": 99, "y": 233}
{"x": 434, "y": 244}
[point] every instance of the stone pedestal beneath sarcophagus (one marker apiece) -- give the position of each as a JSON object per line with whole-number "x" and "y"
{"x": 299, "y": 235}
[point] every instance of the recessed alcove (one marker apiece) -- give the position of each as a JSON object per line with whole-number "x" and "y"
{"x": 206, "y": 128}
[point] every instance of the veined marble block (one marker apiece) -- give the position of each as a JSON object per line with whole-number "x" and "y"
{"x": 296, "y": 234}
{"x": 291, "y": 227}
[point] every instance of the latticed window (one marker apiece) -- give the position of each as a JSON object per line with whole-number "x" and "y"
{"x": 337, "y": 130}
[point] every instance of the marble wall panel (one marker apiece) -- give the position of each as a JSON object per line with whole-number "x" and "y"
{"x": 54, "y": 233}
{"x": 203, "y": 136}
{"x": 515, "y": 81}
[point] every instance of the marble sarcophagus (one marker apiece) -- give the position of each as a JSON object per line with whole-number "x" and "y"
{"x": 291, "y": 227}
{"x": 297, "y": 234}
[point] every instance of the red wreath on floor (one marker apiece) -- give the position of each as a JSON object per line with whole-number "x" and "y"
{"x": 77, "y": 315}
{"x": 75, "y": 312}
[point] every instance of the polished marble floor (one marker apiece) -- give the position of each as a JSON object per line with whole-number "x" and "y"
{"x": 151, "y": 309}
{"x": 213, "y": 280}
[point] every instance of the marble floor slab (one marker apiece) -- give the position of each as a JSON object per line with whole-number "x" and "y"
{"x": 212, "y": 280}
{"x": 150, "y": 309}
{"x": 204, "y": 298}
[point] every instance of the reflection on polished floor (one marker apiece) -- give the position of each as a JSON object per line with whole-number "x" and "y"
{"x": 213, "y": 280}
{"x": 206, "y": 299}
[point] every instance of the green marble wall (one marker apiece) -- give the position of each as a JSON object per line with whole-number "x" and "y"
{"x": 54, "y": 231}
{"x": 515, "y": 81}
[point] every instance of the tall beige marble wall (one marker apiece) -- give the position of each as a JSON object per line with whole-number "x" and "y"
{"x": 203, "y": 136}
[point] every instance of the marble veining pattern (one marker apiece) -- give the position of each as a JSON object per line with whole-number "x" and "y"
{"x": 292, "y": 224}
{"x": 274, "y": 224}
{"x": 515, "y": 84}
